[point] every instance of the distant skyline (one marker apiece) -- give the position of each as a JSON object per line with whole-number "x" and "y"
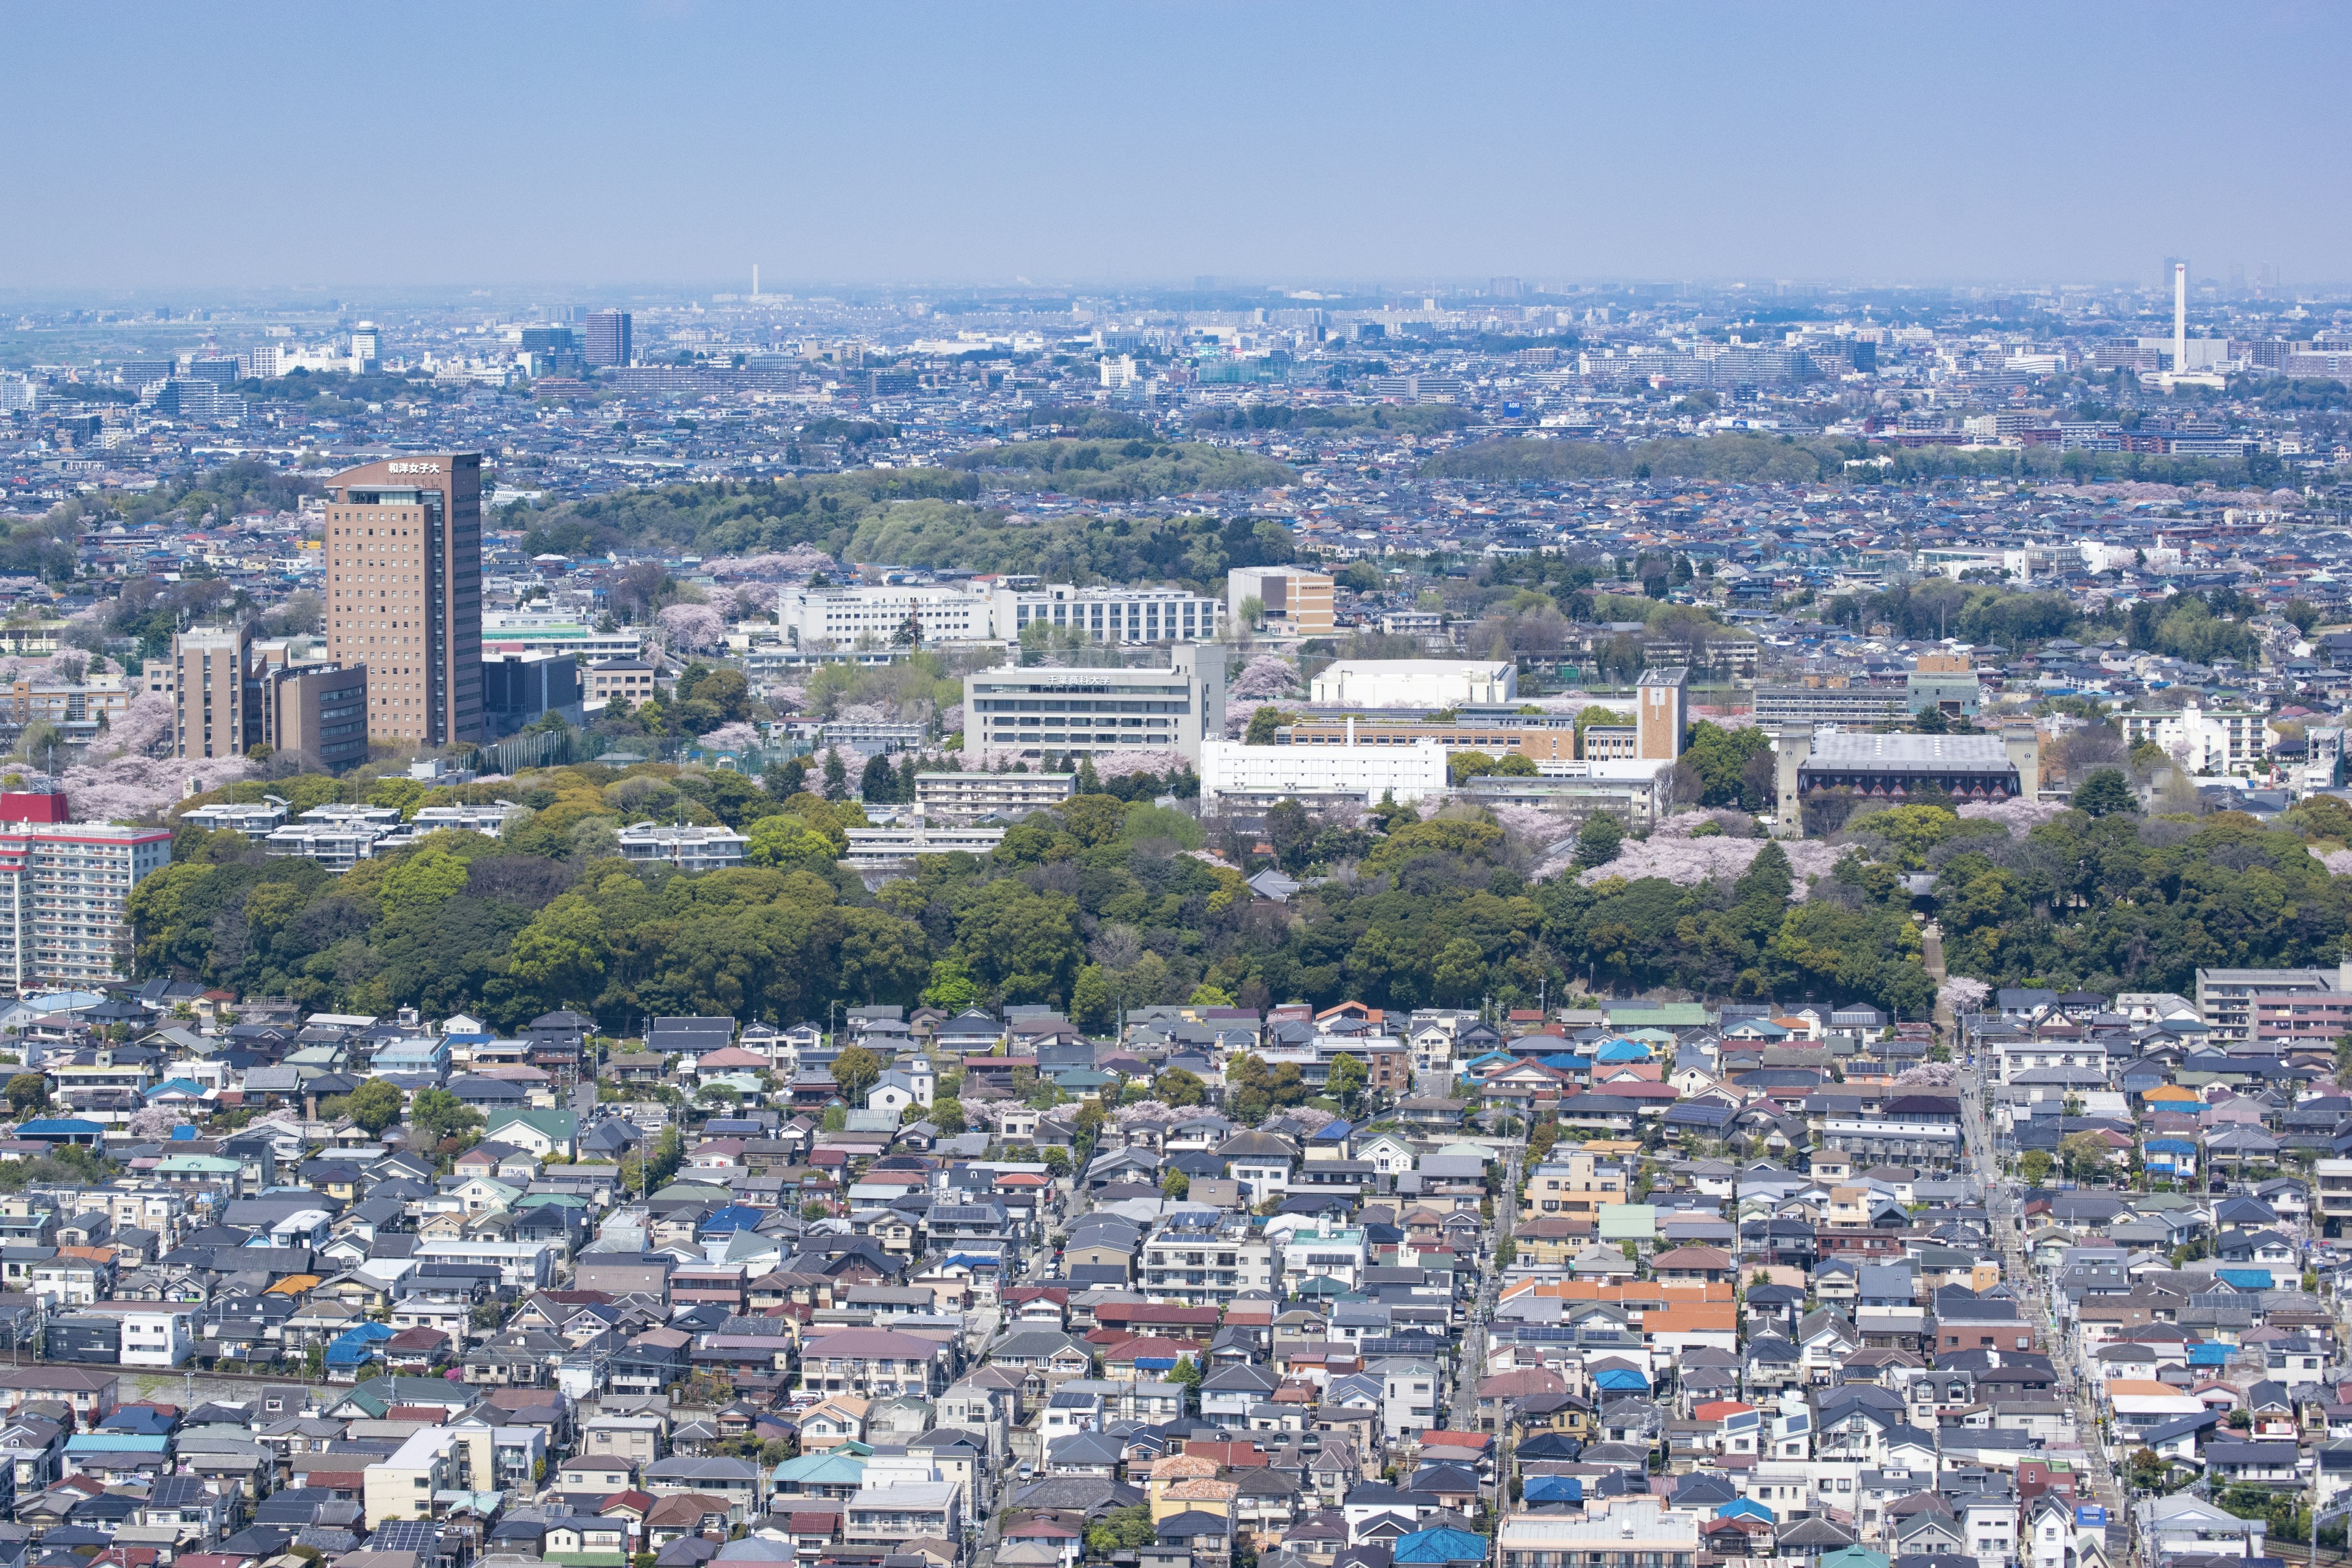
{"x": 618, "y": 145}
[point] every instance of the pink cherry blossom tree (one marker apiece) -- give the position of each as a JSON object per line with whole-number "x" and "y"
{"x": 695, "y": 628}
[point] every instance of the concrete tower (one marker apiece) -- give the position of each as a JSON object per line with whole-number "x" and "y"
{"x": 2179, "y": 317}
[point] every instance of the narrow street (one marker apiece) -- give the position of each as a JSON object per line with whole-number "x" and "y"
{"x": 1471, "y": 1365}
{"x": 2006, "y": 1222}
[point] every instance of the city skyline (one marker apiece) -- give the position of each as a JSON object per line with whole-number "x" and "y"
{"x": 680, "y": 146}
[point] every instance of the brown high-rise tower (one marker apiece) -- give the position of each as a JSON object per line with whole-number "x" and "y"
{"x": 405, "y": 593}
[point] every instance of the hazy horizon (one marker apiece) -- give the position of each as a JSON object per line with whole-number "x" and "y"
{"x": 667, "y": 148}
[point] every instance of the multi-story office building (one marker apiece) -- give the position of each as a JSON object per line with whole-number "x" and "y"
{"x": 519, "y": 688}
{"x": 606, "y": 341}
{"x": 1110, "y": 614}
{"x": 319, "y": 712}
{"x": 230, "y": 694}
{"x": 65, "y": 896}
{"x": 209, "y": 680}
{"x": 1857, "y": 705}
{"x": 986, "y": 610}
{"x": 1082, "y": 712}
{"x": 404, "y": 549}
{"x": 1539, "y": 738}
{"x": 1294, "y": 599}
{"x": 535, "y": 631}
{"x": 839, "y": 615}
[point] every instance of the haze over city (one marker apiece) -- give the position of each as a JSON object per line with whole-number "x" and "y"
{"x": 679, "y": 144}
{"x": 1175, "y": 786}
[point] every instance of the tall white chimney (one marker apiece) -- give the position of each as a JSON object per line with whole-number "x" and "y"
{"x": 2180, "y": 316}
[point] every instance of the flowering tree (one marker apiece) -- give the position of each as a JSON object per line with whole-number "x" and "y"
{"x": 1686, "y": 862}
{"x": 734, "y": 737}
{"x": 154, "y": 1121}
{"x": 2337, "y": 861}
{"x": 130, "y": 788}
{"x": 1533, "y": 824}
{"x": 2017, "y": 814}
{"x": 144, "y": 730}
{"x": 1927, "y": 1075}
{"x": 1266, "y": 676}
{"x": 697, "y": 628}
{"x": 952, "y": 719}
{"x": 1963, "y": 995}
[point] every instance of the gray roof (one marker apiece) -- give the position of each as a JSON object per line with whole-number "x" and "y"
{"x": 1851, "y": 752}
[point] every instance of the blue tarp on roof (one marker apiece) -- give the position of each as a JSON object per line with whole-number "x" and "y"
{"x": 1441, "y": 1546}
{"x": 2244, "y": 1278}
{"x": 357, "y": 1343}
{"x": 1621, "y": 1380}
{"x": 1622, "y": 1051}
{"x": 1747, "y": 1508}
{"x": 1554, "y": 1488}
{"x": 2208, "y": 1355}
{"x": 734, "y": 1216}
{"x": 183, "y": 1131}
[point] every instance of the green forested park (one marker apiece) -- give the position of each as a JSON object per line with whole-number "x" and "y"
{"x": 1112, "y": 900}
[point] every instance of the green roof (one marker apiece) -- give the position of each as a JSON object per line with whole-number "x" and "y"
{"x": 562, "y": 1125}
{"x": 1628, "y": 1222}
{"x": 200, "y": 1165}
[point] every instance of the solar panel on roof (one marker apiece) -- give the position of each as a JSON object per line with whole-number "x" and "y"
{"x": 406, "y": 1535}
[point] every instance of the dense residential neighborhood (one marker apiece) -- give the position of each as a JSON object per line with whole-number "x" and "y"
{"x": 2053, "y": 1281}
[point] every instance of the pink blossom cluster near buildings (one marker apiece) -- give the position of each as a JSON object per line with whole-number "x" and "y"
{"x": 2019, "y": 815}
{"x": 2337, "y": 861}
{"x": 144, "y": 730}
{"x": 735, "y": 737}
{"x": 131, "y": 788}
{"x": 800, "y": 561}
{"x": 1265, "y": 676}
{"x": 1686, "y": 862}
{"x": 695, "y": 628}
{"x": 1533, "y": 825}
{"x": 1963, "y": 995}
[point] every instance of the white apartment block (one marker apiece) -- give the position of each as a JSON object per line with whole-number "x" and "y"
{"x": 987, "y": 610}
{"x": 2204, "y": 740}
{"x": 964, "y": 797}
{"x": 65, "y": 898}
{"x": 688, "y": 848}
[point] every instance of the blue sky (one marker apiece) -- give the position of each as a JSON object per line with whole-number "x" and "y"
{"x": 680, "y": 143}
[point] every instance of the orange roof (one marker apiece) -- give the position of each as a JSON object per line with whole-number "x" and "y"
{"x": 1717, "y": 1409}
{"x": 1692, "y": 1318}
{"x": 2169, "y": 1092}
{"x": 2142, "y": 1388}
{"x": 293, "y": 1284}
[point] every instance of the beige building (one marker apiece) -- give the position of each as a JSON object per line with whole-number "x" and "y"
{"x": 1662, "y": 715}
{"x": 403, "y": 548}
{"x": 1296, "y": 601}
{"x": 628, "y": 681}
{"x": 230, "y": 694}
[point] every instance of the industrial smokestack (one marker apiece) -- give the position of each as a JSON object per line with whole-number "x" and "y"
{"x": 2180, "y": 316}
